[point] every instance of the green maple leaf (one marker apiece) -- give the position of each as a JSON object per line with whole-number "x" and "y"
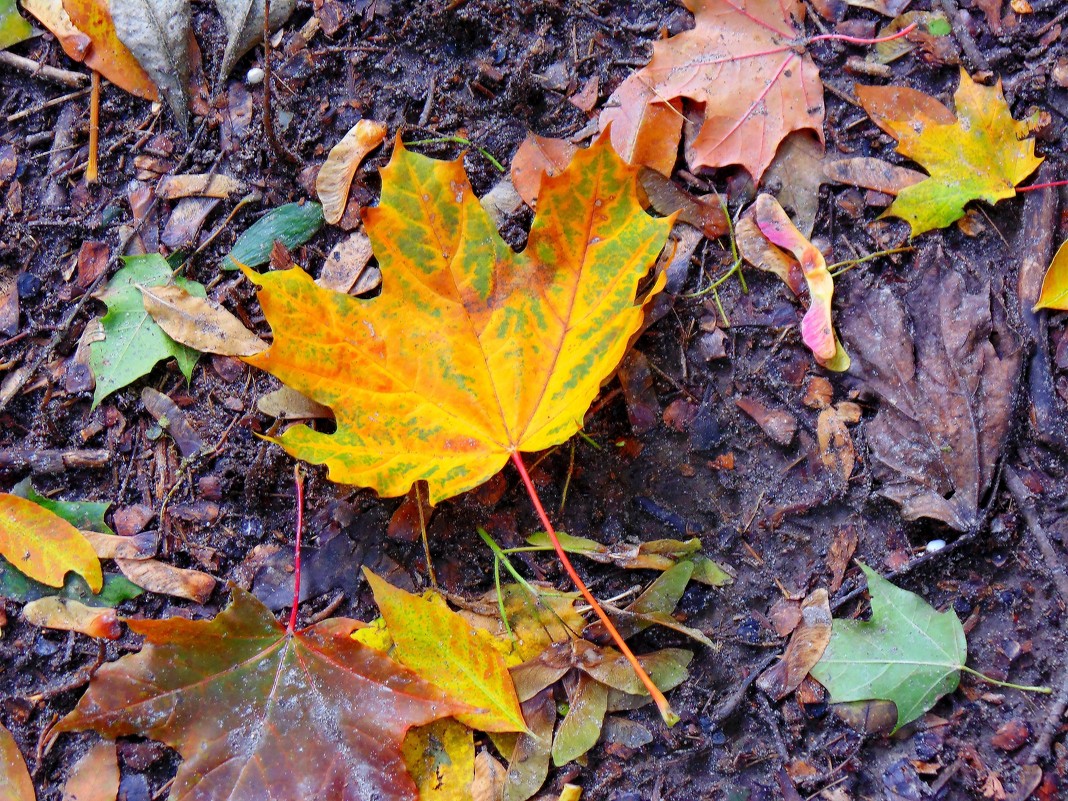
{"x": 908, "y": 653}
{"x": 133, "y": 344}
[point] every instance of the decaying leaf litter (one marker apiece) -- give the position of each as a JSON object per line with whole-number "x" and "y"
{"x": 721, "y": 424}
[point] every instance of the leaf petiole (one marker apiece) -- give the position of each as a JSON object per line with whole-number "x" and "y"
{"x": 1010, "y": 685}
{"x": 849, "y": 264}
{"x": 458, "y": 140}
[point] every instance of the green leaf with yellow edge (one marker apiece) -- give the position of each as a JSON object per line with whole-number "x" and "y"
{"x": 444, "y": 649}
{"x": 981, "y": 155}
{"x": 441, "y": 760}
{"x": 1054, "y": 293}
{"x": 472, "y": 351}
{"x": 44, "y": 546}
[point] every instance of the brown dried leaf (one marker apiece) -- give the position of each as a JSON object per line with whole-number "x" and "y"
{"x": 759, "y": 252}
{"x": 804, "y": 650}
{"x": 947, "y": 383}
{"x": 778, "y": 424}
{"x": 872, "y": 173}
{"x": 538, "y": 156}
{"x": 94, "y": 777}
{"x": 706, "y": 214}
{"x": 172, "y": 420}
{"x": 842, "y": 550}
{"x": 836, "y": 446}
{"x": 335, "y": 176}
{"x": 346, "y": 267}
{"x": 165, "y": 579}
{"x": 199, "y": 323}
{"x": 490, "y": 776}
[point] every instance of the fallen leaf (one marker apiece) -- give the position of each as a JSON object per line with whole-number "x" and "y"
{"x": 795, "y": 176}
{"x": 534, "y": 621}
{"x": 841, "y": 553}
{"x": 440, "y": 758}
{"x": 292, "y": 224}
{"x": 586, "y": 97}
{"x": 741, "y": 62}
{"x": 443, "y": 648}
{"x": 932, "y": 34}
{"x": 13, "y": 28}
{"x": 528, "y": 763}
{"x": 244, "y": 26}
{"x": 1054, "y": 293}
{"x": 347, "y": 267}
{"x": 106, "y": 53}
{"x": 871, "y": 173}
{"x": 522, "y": 341}
{"x": 537, "y": 157}
{"x": 836, "y": 446}
{"x": 133, "y": 343}
{"x": 665, "y": 197}
{"x": 907, "y": 653}
{"x": 94, "y": 777}
{"x": 165, "y": 579}
{"x": 288, "y": 404}
{"x": 817, "y": 327}
{"x": 111, "y": 546}
{"x": 778, "y": 424}
{"x": 490, "y": 776}
{"x": 14, "y": 776}
{"x": 157, "y": 32}
{"x": 199, "y": 322}
{"x": 19, "y": 587}
{"x": 43, "y": 545}
{"x": 66, "y": 615}
{"x": 80, "y": 514}
{"x": 980, "y": 154}
{"x": 174, "y": 421}
{"x": 947, "y": 382}
{"x": 806, "y": 646}
{"x": 645, "y": 127}
{"x": 335, "y": 176}
{"x": 53, "y": 16}
{"x": 581, "y": 727}
{"x": 755, "y": 248}
{"x": 236, "y": 695}
{"x": 173, "y": 187}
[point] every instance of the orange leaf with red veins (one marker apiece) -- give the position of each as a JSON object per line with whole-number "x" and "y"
{"x": 817, "y": 328}
{"x": 257, "y": 712}
{"x": 739, "y": 60}
{"x": 472, "y": 352}
{"x": 106, "y": 54}
{"x": 646, "y": 128}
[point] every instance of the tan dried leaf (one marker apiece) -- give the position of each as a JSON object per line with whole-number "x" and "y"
{"x": 199, "y": 323}
{"x": 836, "y": 446}
{"x": 804, "y": 650}
{"x": 165, "y": 579}
{"x": 335, "y": 177}
{"x": 172, "y": 187}
{"x": 53, "y": 612}
{"x": 94, "y": 777}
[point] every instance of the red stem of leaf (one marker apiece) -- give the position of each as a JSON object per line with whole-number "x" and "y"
{"x": 838, "y": 37}
{"x": 298, "y": 480}
{"x": 1046, "y": 185}
{"x": 661, "y": 702}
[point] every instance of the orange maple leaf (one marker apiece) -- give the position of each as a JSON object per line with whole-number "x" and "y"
{"x": 473, "y": 352}
{"x": 741, "y": 61}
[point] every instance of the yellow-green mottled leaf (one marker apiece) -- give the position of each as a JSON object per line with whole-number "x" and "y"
{"x": 472, "y": 352}
{"x": 13, "y": 28}
{"x": 981, "y": 155}
{"x": 1055, "y": 285}
{"x": 441, "y": 759}
{"x": 44, "y": 546}
{"x": 443, "y": 648}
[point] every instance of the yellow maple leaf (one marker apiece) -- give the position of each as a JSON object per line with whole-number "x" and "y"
{"x": 980, "y": 155}
{"x": 472, "y": 352}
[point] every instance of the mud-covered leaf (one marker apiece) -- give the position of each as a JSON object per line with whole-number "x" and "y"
{"x": 199, "y": 322}
{"x": 14, "y": 776}
{"x": 13, "y": 28}
{"x": 133, "y": 343}
{"x": 43, "y": 545}
{"x": 472, "y": 351}
{"x": 441, "y": 760}
{"x": 739, "y": 61}
{"x": 292, "y": 224}
{"x": 945, "y": 367}
{"x": 107, "y": 54}
{"x": 1055, "y": 285}
{"x": 244, "y": 26}
{"x": 980, "y": 155}
{"x": 157, "y": 33}
{"x": 908, "y": 653}
{"x": 443, "y": 648}
{"x": 257, "y": 712}
{"x": 335, "y": 176}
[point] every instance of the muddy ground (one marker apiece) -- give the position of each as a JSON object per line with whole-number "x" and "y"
{"x": 492, "y": 71}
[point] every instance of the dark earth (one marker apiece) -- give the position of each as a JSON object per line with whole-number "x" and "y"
{"x": 675, "y": 456}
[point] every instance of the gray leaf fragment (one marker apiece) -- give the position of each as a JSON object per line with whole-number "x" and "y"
{"x": 157, "y": 33}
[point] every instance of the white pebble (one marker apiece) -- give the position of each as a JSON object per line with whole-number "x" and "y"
{"x": 254, "y": 76}
{"x": 934, "y": 546}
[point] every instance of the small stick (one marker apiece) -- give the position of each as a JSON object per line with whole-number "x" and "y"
{"x": 1022, "y": 496}
{"x": 94, "y": 130}
{"x": 66, "y": 77}
{"x": 298, "y": 478}
{"x": 55, "y": 101}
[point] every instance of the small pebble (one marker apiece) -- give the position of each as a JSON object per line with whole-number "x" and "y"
{"x": 254, "y": 76}
{"x": 934, "y": 546}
